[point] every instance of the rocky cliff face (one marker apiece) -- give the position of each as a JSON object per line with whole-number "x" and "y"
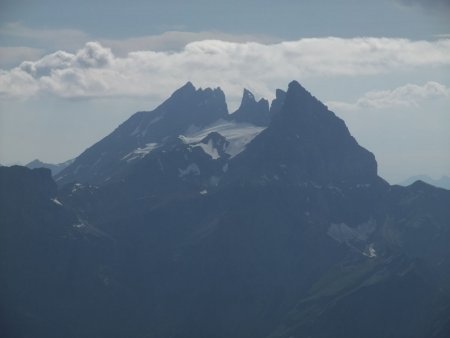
{"x": 252, "y": 111}
{"x": 307, "y": 143}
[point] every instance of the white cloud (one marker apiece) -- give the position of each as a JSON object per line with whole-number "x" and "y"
{"x": 10, "y": 55}
{"x": 72, "y": 39}
{"x": 177, "y": 40}
{"x": 93, "y": 55}
{"x": 94, "y": 71}
{"x": 409, "y": 95}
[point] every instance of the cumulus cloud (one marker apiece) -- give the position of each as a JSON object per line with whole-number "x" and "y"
{"x": 73, "y": 39}
{"x": 93, "y": 55}
{"x": 94, "y": 70}
{"x": 409, "y": 95}
{"x": 10, "y": 55}
{"x": 177, "y": 40}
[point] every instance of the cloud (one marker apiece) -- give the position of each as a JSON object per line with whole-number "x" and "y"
{"x": 93, "y": 55}
{"x": 72, "y": 39}
{"x": 10, "y": 55}
{"x": 177, "y": 40}
{"x": 409, "y": 95}
{"x": 95, "y": 71}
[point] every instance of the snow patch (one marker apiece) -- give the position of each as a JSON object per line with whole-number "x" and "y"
{"x": 370, "y": 251}
{"x": 55, "y": 200}
{"x": 140, "y": 152}
{"x": 79, "y": 225}
{"x": 237, "y": 134}
{"x": 204, "y": 192}
{"x": 76, "y": 187}
{"x": 209, "y": 149}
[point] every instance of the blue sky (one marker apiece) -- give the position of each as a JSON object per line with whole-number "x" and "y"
{"x": 72, "y": 71}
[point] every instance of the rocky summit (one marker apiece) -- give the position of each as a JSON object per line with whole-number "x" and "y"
{"x": 188, "y": 221}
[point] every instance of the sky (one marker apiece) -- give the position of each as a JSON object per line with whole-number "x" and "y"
{"x": 71, "y": 72}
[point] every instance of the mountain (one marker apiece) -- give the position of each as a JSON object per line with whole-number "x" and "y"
{"x": 187, "y": 221}
{"x": 189, "y": 112}
{"x": 443, "y": 182}
{"x": 188, "y": 115}
{"x": 307, "y": 143}
{"x": 49, "y": 259}
{"x": 251, "y": 111}
{"x": 55, "y": 168}
{"x": 33, "y": 226}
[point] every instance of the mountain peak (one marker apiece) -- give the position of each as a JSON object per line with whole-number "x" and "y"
{"x": 55, "y": 168}
{"x": 188, "y": 86}
{"x": 312, "y": 142}
{"x": 295, "y": 85}
{"x": 295, "y": 88}
{"x": 247, "y": 96}
{"x": 186, "y": 90}
{"x": 248, "y": 99}
{"x": 186, "y": 108}
{"x": 277, "y": 103}
{"x": 298, "y": 96}
{"x": 252, "y": 111}
{"x": 304, "y": 136}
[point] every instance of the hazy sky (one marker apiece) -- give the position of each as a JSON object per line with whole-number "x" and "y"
{"x": 70, "y": 72}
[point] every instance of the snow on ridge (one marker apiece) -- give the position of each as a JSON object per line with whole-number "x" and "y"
{"x": 237, "y": 134}
{"x": 140, "y": 152}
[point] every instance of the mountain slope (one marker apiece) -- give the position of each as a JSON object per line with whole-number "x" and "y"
{"x": 187, "y": 107}
{"x": 307, "y": 142}
{"x": 212, "y": 227}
